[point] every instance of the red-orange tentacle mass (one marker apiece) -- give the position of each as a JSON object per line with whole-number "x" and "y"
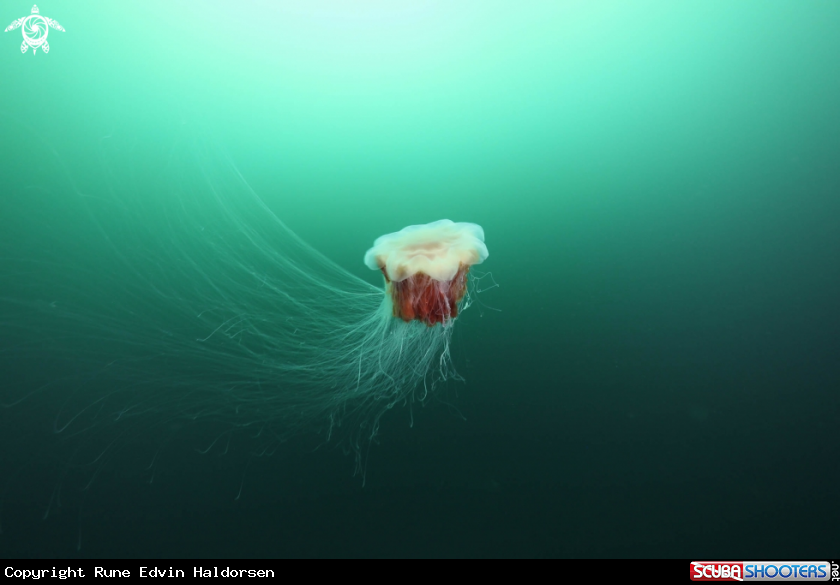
{"x": 425, "y": 299}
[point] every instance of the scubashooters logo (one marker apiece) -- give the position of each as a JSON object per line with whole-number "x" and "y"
{"x": 762, "y": 571}
{"x": 35, "y": 29}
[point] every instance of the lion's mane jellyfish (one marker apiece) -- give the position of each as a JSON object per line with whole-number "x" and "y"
{"x": 182, "y": 305}
{"x": 426, "y": 267}
{"x": 164, "y": 308}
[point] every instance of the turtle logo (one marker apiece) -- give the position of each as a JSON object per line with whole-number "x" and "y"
{"x": 35, "y": 29}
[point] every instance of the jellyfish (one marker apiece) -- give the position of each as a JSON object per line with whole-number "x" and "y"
{"x": 426, "y": 267}
{"x": 184, "y": 298}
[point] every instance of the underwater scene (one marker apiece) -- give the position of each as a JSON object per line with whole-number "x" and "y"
{"x": 415, "y": 278}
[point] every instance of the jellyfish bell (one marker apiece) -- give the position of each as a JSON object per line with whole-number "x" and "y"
{"x": 426, "y": 267}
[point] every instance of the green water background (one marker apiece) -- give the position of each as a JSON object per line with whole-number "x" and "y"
{"x": 658, "y": 183}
